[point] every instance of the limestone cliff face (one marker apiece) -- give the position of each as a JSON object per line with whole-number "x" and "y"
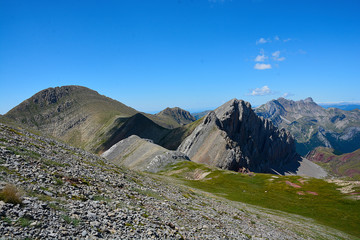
{"x": 233, "y": 137}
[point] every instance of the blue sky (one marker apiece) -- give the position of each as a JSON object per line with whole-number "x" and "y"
{"x": 195, "y": 54}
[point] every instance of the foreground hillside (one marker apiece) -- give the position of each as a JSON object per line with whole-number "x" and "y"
{"x": 67, "y": 192}
{"x": 344, "y": 165}
{"x": 314, "y": 126}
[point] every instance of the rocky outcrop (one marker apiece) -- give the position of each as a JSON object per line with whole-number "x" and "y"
{"x": 234, "y": 137}
{"x": 142, "y": 154}
{"x": 313, "y": 126}
{"x": 178, "y": 115}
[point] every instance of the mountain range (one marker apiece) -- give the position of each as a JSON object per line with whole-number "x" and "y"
{"x": 313, "y": 126}
{"x": 72, "y": 152}
{"x": 231, "y": 137}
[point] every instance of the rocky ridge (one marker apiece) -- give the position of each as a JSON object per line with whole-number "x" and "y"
{"x": 234, "y": 137}
{"x": 313, "y": 126}
{"x": 69, "y": 193}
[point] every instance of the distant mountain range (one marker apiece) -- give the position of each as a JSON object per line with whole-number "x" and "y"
{"x": 199, "y": 115}
{"x": 347, "y": 106}
{"x": 314, "y": 126}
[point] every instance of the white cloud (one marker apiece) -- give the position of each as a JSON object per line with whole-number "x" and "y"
{"x": 265, "y": 90}
{"x": 261, "y": 41}
{"x": 261, "y": 57}
{"x": 262, "y": 66}
{"x": 276, "y": 56}
{"x": 276, "y": 38}
{"x": 286, "y": 40}
{"x": 285, "y": 95}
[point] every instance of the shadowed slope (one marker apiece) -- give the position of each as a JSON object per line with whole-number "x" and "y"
{"x": 136, "y": 125}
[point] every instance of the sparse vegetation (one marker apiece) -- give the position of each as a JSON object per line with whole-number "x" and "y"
{"x": 11, "y": 194}
{"x": 70, "y": 220}
{"x": 329, "y": 207}
{"x": 24, "y": 221}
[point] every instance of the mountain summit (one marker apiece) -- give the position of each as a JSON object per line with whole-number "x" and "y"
{"x": 178, "y": 115}
{"x": 83, "y": 117}
{"x": 234, "y": 137}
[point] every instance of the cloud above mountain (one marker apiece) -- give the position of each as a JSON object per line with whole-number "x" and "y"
{"x": 263, "y": 91}
{"x": 263, "y": 61}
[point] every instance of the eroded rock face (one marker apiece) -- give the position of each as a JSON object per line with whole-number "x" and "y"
{"x": 142, "y": 154}
{"x": 233, "y": 137}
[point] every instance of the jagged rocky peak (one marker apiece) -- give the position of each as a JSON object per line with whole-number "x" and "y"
{"x": 181, "y": 116}
{"x": 234, "y": 137}
{"x": 309, "y": 100}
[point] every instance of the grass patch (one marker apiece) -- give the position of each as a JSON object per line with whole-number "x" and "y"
{"x": 101, "y": 198}
{"x": 24, "y": 222}
{"x": 58, "y": 181}
{"x": 70, "y": 220}
{"x": 329, "y": 207}
{"x": 57, "y": 207}
{"x": 52, "y": 163}
{"x": 6, "y": 219}
{"x": 10, "y": 194}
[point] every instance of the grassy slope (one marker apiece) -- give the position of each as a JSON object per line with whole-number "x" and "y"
{"x": 329, "y": 207}
{"x": 345, "y": 165}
